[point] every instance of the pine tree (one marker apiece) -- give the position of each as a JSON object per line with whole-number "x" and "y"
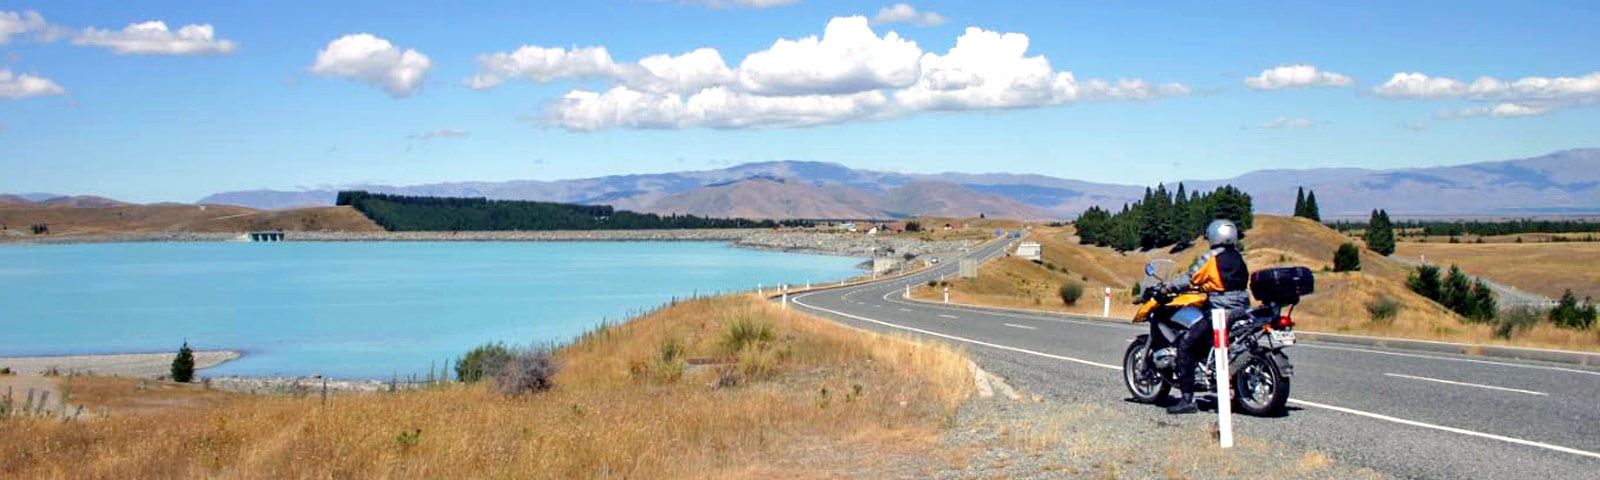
{"x": 1380, "y": 233}
{"x": 183, "y": 364}
{"x": 1425, "y": 281}
{"x": 1483, "y": 307}
{"x": 1311, "y": 207}
{"x": 1300, "y": 202}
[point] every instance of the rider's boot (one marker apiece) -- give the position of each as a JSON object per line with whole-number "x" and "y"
{"x": 1184, "y": 405}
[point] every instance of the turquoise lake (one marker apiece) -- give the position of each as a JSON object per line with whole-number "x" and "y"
{"x": 356, "y": 310}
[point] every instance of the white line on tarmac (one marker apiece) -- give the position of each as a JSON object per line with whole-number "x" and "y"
{"x": 1465, "y": 384}
{"x": 1376, "y": 416}
{"x": 1434, "y": 357}
{"x": 1020, "y": 326}
{"x": 948, "y": 316}
{"x": 905, "y": 310}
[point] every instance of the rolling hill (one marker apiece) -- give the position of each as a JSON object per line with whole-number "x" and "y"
{"x": 1565, "y": 182}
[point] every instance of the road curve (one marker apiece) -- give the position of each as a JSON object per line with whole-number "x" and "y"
{"x": 1405, "y": 413}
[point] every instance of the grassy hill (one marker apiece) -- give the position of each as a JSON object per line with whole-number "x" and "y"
{"x": 1339, "y": 306}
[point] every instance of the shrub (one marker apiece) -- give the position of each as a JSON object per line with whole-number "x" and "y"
{"x": 744, "y": 332}
{"x": 1383, "y": 310}
{"x": 1517, "y": 320}
{"x": 1070, "y": 292}
{"x": 183, "y": 364}
{"x": 528, "y": 370}
{"x": 482, "y": 362}
{"x": 1347, "y": 258}
{"x": 1425, "y": 281}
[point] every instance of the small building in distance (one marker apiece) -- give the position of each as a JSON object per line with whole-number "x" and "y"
{"x": 954, "y": 225}
{"x": 1030, "y": 251}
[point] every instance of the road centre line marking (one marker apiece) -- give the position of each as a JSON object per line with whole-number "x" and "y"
{"x": 949, "y": 316}
{"x": 905, "y": 310}
{"x": 1376, "y": 416}
{"x": 1435, "y": 357}
{"x": 1019, "y": 326}
{"x": 1465, "y": 384}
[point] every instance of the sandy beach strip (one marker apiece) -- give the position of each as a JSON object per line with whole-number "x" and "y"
{"x": 146, "y": 365}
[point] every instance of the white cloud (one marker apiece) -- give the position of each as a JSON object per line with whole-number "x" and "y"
{"x": 848, "y": 73}
{"x": 440, "y": 133}
{"x": 153, "y": 38}
{"x": 905, "y": 13}
{"x": 374, "y": 61}
{"x": 13, "y": 86}
{"x": 1285, "y": 122}
{"x": 848, "y": 58}
{"x": 1297, "y": 76}
{"x": 20, "y": 23}
{"x": 1525, "y": 97}
{"x": 740, "y": 3}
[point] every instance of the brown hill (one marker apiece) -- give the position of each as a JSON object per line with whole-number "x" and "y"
{"x": 940, "y": 199}
{"x": 178, "y": 217}
{"x": 14, "y": 201}
{"x": 762, "y": 198}
{"x": 81, "y": 201}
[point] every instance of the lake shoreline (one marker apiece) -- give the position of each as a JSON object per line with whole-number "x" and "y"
{"x": 794, "y": 241}
{"x": 139, "y": 364}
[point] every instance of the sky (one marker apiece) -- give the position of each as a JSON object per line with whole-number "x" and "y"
{"x": 173, "y": 100}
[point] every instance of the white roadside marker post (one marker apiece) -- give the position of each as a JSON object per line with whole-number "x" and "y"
{"x": 1106, "y": 312}
{"x": 947, "y": 294}
{"x": 785, "y": 296}
{"x": 759, "y": 292}
{"x": 1219, "y": 348}
{"x": 808, "y": 284}
{"x": 908, "y": 291}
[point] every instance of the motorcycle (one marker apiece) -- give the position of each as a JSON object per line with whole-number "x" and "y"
{"x": 1258, "y": 367}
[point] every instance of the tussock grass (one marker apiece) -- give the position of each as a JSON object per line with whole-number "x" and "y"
{"x": 600, "y": 418}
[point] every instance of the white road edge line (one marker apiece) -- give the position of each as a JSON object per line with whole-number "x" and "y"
{"x": 1469, "y": 433}
{"x": 1376, "y": 416}
{"x": 1020, "y": 326}
{"x": 1464, "y": 384}
{"x": 949, "y": 316}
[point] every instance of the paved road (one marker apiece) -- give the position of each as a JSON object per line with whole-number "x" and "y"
{"x": 1400, "y": 412}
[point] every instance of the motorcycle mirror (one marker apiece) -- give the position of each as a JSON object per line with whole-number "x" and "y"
{"x": 1150, "y": 269}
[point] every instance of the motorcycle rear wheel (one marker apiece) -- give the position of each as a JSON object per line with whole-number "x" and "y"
{"x": 1260, "y": 388}
{"x": 1141, "y": 378}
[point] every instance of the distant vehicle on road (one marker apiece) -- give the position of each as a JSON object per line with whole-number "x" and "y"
{"x": 933, "y": 259}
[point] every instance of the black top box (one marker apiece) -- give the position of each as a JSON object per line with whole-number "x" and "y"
{"x": 1282, "y": 285}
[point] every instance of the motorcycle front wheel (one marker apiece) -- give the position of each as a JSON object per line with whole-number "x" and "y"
{"x": 1260, "y": 388}
{"x": 1141, "y": 378}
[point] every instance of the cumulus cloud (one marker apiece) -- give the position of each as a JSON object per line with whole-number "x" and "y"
{"x": 374, "y": 61}
{"x": 14, "y": 86}
{"x": 847, "y": 73}
{"x": 153, "y": 38}
{"x": 21, "y": 23}
{"x": 1286, "y": 122}
{"x": 1297, "y": 76}
{"x": 1525, "y": 97}
{"x": 440, "y": 133}
{"x": 905, "y": 13}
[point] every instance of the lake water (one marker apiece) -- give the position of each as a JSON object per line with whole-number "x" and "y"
{"x": 356, "y": 310}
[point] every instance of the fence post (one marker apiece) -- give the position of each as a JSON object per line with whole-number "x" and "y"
{"x": 1219, "y": 348}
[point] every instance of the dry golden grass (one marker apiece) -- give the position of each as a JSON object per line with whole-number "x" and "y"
{"x": 613, "y": 413}
{"x": 1544, "y": 268}
{"x": 174, "y": 217}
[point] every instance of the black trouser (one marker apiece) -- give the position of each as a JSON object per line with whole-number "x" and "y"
{"x": 1193, "y": 346}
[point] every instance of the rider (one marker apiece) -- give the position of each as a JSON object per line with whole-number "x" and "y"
{"x": 1221, "y": 273}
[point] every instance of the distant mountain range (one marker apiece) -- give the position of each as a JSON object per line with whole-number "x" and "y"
{"x": 58, "y": 201}
{"x": 1565, "y": 182}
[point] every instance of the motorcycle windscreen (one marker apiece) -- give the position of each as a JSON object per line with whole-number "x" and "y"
{"x": 1188, "y": 316}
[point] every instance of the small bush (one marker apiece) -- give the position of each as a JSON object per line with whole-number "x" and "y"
{"x": 1517, "y": 320}
{"x": 183, "y": 364}
{"x": 527, "y": 371}
{"x": 744, "y": 332}
{"x": 1569, "y": 314}
{"x": 1383, "y": 310}
{"x": 482, "y": 362}
{"x": 1070, "y": 292}
{"x": 1347, "y": 258}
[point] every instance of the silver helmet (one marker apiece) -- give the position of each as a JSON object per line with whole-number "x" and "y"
{"x": 1222, "y": 232}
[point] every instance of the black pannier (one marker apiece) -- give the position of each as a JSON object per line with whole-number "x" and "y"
{"x": 1282, "y": 285}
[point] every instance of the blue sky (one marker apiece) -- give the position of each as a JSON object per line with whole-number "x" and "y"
{"x": 288, "y": 95}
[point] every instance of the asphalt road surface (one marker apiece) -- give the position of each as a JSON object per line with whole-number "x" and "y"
{"x": 1400, "y": 412}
